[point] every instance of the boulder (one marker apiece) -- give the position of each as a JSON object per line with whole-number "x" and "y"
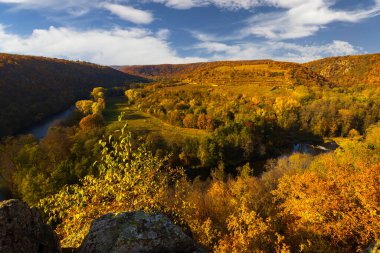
{"x": 137, "y": 232}
{"x": 22, "y": 230}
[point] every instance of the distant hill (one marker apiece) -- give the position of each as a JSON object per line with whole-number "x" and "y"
{"x": 349, "y": 70}
{"x": 33, "y": 88}
{"x": 259, "y": 72}
{"x": 160, "y": 71}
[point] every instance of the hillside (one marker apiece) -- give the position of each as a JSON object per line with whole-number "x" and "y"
{"x": 349, "y": 70}
{"x": 33, "y": 88}
{"x": 258, "y": 72}
{"x": 160, "y": 71}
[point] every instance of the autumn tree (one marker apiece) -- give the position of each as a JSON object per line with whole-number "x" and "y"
{"x": 130, "y": 178}
{"x": 334, "y": 204}
{"x": 84, "y": 106}
{"x": 286, "y": 110}
{"x": 92, "y": 121}
{"x": 189, "y": 121}
{"x": 373, "y": 135}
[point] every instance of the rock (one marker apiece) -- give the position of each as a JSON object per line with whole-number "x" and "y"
{"x": 137, "y": 232}
{"x": 22, "y": 230}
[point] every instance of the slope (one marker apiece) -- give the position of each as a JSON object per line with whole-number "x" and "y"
{"x": 258, "y": 72}
{"x": 349, "y": 70}
{"x": 33, "y": 88}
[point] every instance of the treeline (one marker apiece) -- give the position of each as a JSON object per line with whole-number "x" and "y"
{"x": 163, "y": 71}
{"x": 34, "y": 88}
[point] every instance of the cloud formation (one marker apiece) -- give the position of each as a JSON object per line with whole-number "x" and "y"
{"x": 129, "y": 13}
{"x": 303, "y": 18}
{"x": 115, "y": 47}
{"x": 226, "y": 4}
{"x": 289, "y": 19}
{"x": 282, "y": 21}
{"x": 138, "y": 46}
{"x": 275, "y": 50}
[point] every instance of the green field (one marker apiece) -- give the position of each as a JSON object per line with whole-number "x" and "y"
{"x": 144, "y": 123}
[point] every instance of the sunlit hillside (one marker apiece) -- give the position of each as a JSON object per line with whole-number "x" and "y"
{"x": 349, "y": 70}
{"x": 261, "y": 73}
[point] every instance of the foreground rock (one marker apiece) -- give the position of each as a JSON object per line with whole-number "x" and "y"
{"x": 137, "y": 232}
{"x": 22, "y": 230}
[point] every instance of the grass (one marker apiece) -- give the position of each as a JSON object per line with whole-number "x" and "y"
{"x": 143, "y": 123}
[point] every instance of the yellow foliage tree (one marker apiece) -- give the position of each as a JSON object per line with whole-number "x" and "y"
{"x": 130, "y": 178}
{"x": 334, "y": 203}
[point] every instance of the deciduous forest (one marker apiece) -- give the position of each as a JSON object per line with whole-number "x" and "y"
{"x": 34, "y": 88}
{"x": 247, "y": 156}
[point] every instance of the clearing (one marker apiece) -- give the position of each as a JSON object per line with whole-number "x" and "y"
{"x": 144, "y": 123}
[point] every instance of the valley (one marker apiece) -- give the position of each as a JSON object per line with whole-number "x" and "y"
{"x": 289, "y": 151}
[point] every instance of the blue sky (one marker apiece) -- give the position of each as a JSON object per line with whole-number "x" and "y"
{"x": 132, "y": 32}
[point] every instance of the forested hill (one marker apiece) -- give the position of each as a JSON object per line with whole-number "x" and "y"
{"x": 260, "y": 72}
{"x": 33, "y": 88}
{"x": 161, "y": 71}
{"x": 349, "y": 70}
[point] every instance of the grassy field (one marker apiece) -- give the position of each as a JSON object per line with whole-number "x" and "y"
{"x": 144, "y": 123}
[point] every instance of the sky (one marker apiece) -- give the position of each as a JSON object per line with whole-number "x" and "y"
{"x": 139, "y": 32}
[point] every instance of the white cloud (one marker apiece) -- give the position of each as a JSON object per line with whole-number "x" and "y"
{"x": 55, "y": 4}
{"x": 129, "y": 13}
{"x": 289, "y": 19}
{"x": 302, "y": 18}
{"x": 111, "y": 47}
{"x": 227, "y": 4}
{"x": 179, "y": 4}
{"x": 275, "y": 50}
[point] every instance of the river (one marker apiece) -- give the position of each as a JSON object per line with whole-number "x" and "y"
{"x": 40, "y": 130}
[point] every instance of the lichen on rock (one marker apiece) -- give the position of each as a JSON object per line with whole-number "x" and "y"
{"x": 137, "y": 232}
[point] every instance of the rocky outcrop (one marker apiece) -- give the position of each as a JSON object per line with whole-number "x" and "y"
{"x": 137, "y": 232}
{"x": 22, "y": 230}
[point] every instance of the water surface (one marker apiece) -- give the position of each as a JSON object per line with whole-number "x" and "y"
{"x": 40, "y": 130}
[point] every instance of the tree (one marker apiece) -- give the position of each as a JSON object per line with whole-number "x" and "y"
{"x": 84, "y": 106}
{"x": 97, "y": 93}
{"x": 286, "y": 110}
{"x": 334, "y": 203}
{"x": 373, "y": 135}
{"x": 189, "y": 121}
{"x": 92, "y": 121}
{"x": 202, "y": 121}
{"x": 130, "y": 178}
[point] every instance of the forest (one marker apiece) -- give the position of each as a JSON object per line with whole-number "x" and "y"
{"x": 34, "y": 88}
{"x": 215, "y": 147}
